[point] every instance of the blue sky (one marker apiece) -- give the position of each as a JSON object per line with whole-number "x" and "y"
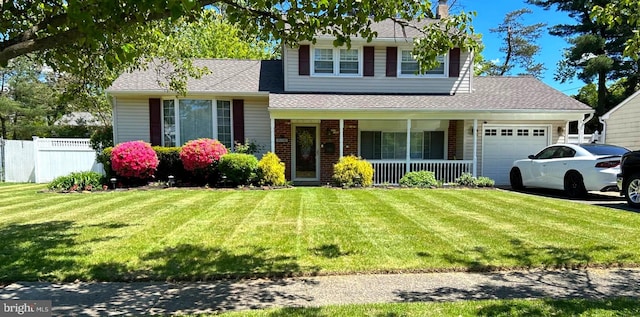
{"x": 491, "y": 13}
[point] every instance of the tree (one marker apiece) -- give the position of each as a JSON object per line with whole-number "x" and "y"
{"x": 596, "y": 53}
{"x": 28, "y": 102}
{"x": 74, "y": 35}
{"x": 621, "y": 13}
{"x": 519, "y": 47}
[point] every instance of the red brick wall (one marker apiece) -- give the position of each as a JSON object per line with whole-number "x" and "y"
{"x": 350, "y": 137}
{"x": 350, "y": 145}
{"x": 283, "y": 150}
{"x": 328, "y": 159}
{"x": 452, "y": 139}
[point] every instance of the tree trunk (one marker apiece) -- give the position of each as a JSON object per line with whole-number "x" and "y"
{"x": 3, "y": 127}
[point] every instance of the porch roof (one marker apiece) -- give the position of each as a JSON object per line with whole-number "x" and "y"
{"x": 496, "y": 94}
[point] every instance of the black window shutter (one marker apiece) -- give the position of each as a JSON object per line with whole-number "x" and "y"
{"x": 369, "y": 61}
{"x": 304, "y": 60}
{"x": 238, "y": 120}
{"x": 392, "y": 61}
{"x": 155, "y": 122}
{"x": 454, "y": 62}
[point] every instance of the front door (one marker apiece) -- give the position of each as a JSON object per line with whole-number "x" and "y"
{"x": 306, "y": 159}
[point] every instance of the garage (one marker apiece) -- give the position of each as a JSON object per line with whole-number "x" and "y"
{"x": 504, "y": 144}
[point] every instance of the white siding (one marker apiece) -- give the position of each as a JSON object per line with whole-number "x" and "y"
{"x": 131, "y": 119}
{"x": 622, "y": 126}
{"x": 257, "y": 125}
{"x": 378, "y": 83}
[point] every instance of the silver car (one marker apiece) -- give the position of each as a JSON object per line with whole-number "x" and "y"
{"x": 574, "y": 168}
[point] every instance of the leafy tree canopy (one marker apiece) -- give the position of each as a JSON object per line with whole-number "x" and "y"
{"x": 622, "y": 13}
{"x": 76, "y": 35}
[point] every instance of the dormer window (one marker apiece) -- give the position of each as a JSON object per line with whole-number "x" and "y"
{"x": 337, "y": 62}
{"x": 409, "y": 66}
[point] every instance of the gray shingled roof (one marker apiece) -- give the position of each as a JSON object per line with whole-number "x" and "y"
{"x": 389, "y": 29}
{"x": 226, "y": 76}
{"x": 242, "y": 76}
{"x": 491, "y": 93}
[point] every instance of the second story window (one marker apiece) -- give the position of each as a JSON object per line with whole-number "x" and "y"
{"x": 349, "y": 63}
{"x": 409, "y": 66}
{"x": 337, "y": 61}
{"x": 323, "y": 61}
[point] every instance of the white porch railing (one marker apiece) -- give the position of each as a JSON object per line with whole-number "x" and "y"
{"x": 390, "y": 172}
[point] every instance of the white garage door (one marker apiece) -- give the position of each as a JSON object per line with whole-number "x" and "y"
{"x": 503, "y": 145}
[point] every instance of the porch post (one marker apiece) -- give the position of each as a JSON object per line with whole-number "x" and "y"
{"x": 273, "y": 135}
{"x": 475, "y": 147}
{"x": 341, "y": 137}
{"x": 408, "y": 154}
{"x": 566, "y": 133}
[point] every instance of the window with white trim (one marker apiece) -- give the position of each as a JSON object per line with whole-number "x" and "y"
{"x": 409, "y": 66}
{"x": 337, "y": 61}
{"x": 323, "y": 61}
{"x": 189, "y": 119}
{"x": 224, "y": 122}
{"x": 379, "y": 145}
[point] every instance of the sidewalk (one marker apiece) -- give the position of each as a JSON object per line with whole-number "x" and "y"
{"x": 100, "y": 299}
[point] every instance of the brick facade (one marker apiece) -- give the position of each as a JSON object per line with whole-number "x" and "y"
{"x": 329, "y": 137}
{"x": 283, "y": 149}
{"x": 452, "y": 139}
{"x": 329, "y": 132}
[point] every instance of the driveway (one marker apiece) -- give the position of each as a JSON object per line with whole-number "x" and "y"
{"x": 603, "y": 199}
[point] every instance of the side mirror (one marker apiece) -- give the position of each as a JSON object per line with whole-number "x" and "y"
{"x": 531, "y": 157}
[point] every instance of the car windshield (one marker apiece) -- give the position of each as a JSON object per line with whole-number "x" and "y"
{"x": 604, "y": 149}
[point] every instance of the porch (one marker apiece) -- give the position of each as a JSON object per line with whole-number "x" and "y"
{"x": 393, "y": 147}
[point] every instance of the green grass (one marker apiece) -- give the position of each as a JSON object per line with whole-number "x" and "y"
{"x": 183, "y": 234}
{"x": 497, "y": 308}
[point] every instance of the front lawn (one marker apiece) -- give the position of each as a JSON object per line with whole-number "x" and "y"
{"x": 183, "y": 234}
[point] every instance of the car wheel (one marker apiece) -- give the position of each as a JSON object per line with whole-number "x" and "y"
{"x": 515, "y": 178}
{"x": 632, "y": 191}
{"x": 574, "y": 185}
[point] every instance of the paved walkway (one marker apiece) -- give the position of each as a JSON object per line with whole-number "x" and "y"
{"x": 93, "y": 299}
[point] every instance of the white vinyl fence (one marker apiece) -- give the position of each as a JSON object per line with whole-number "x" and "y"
{"x": 42, "y": 160}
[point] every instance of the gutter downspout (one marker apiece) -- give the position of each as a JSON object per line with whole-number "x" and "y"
{"x": 581, "y": 127}
{"x": 603, "y": 134}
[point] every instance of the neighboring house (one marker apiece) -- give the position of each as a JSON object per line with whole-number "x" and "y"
{"x": 321, "y": 102}
{"x": 621, "y": 123}
{"x": 79, "y": 118}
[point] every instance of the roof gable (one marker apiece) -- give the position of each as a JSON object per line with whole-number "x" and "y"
{"x": 624, "y": 102}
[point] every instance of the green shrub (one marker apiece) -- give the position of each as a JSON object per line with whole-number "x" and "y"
{"x": 271, "y": 170}
{"x": 422, "y": 179}
{"x": 101, "y": 138}
{"x": 170, "y": 164}
{"x": 353, "y": 171}
{"x": 485, "y": 182}
{"x": 77, "y": 181}
{"x": 239, "y": 168}
{"x": 467, "y": 180}
{"x": 248, "y": 147}
{"x": 104, "y": 157}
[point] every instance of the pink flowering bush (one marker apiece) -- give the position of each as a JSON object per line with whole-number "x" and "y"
{"x": 134, "y": 159}
{"x": 201, "y": 155}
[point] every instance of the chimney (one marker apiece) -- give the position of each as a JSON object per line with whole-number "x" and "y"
{"x": 443, "y": 9}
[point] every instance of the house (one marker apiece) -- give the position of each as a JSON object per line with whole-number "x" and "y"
{"x": 322, "y": 102}
{"x": 620, "y": 124}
